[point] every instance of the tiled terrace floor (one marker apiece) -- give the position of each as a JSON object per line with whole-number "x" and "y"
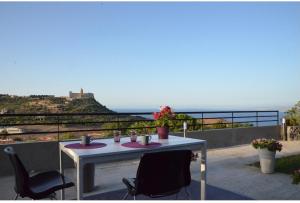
{"x": 227, "y": 169}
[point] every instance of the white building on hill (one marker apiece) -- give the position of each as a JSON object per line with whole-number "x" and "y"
{"x": 80, "y": 95}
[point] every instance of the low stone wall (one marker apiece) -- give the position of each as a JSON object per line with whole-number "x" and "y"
{"x": 293, "y": 133}
{"x": 41, "y": 156}
{"x": 237, "y": 136}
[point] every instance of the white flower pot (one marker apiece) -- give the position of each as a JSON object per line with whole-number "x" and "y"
{"x": 267, "y": 160}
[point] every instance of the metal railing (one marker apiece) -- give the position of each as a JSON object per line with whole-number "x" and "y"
{"x": 198, "y": 120}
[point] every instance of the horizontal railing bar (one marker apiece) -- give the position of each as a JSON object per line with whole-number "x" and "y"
{"x": 125, "y": 113}
{"x": 121, "y": 121}
{"x": 73, "y": 131}
{"x": 110, "y": 129}
{"x": 236, "y": 117}
{"x": 224, "y": 117}
{"x": 275, "y": 116}
{"x": 240, "y": 122}
{"x": 254, "y": 121}
{"x": 87, "y": 122}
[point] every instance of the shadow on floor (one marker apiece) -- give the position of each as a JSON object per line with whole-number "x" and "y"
{"x": 213, "y": 193}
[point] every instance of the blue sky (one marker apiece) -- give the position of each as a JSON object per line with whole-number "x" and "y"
{"x": 135, "y": 55}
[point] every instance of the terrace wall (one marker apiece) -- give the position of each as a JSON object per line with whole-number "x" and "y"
{"x": 237, "y": 136}
{"x": 41, "y": 156}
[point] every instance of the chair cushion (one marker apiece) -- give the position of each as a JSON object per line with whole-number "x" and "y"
{"x": 44, "y": 184}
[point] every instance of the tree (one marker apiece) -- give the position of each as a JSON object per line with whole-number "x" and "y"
{"x": 178, "y": 124}
{"x": 293, "y": 115}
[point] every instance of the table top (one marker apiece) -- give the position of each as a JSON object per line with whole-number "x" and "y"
{"x": 117, "y": 148}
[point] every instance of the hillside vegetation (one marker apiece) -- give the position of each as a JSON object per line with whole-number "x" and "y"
{"x": 15, "y": 104}
{"x": 50, "y": 104}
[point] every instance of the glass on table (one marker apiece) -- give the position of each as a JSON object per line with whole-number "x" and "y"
{"x": 133, "y": 135}
{"x": 117, "y": 135}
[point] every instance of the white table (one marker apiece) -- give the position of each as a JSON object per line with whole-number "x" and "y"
{"x": 116, "y": 152}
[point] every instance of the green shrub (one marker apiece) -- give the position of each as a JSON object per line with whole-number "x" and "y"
{"x": 293, "y": 115}
{"x": 68, "y": 136}
{"x": 296, "y": 177}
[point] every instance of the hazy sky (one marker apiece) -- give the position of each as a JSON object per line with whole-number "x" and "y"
{"x": 196, "y": 55}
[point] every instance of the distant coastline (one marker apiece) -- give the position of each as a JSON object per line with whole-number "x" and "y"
{"x": 141, "y": 110}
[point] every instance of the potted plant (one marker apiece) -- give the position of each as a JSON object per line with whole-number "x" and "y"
{"x": 163, "y": 120}
{"x": 266, "y": 150}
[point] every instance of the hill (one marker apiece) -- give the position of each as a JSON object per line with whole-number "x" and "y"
{"x": 50, "y": 104}
{"x": 37, "y": 104}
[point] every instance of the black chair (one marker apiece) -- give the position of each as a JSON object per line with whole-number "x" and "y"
{"x": 161, "y": 174}
{"x": 39, "y": 186}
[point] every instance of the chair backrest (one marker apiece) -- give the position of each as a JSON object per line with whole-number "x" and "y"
{"x": 21, "y": 175}
{"x": 163, "y": 173}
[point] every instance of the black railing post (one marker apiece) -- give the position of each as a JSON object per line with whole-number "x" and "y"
{"x": 58, "y": 138}
{"x": 202, "y": 122}
{"x": 256, "y": 118}
{"x": 277, "y": 117}
{"x": 232, "y": 119}
{"x": 118, "y": 123}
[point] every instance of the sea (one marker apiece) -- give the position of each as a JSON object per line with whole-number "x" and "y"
{"x": 270, "y": 118}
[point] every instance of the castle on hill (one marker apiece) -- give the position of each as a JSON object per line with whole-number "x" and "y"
{"x": 80, "y": 95}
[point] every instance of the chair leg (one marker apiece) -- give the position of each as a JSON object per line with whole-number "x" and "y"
{"x": 125, "y": 196}
{"x": 187, "y": 193}
{"x": 53, "y": 196}
{"x": 133, "y": 197}
{"x": 176, "y": 196}
{"x": 16, "y": 197}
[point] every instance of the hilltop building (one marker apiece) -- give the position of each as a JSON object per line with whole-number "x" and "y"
{"x": 80, "y": 95}
{"x": 11, "y": 130}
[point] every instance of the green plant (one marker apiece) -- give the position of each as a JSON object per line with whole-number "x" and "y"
{"x": 142, "y": 127}
{"x": 296, "y": 177}
{"x": 270, "y": 144}
{"x": 68, "y": 136}
{"x": 293, "y": 115}
{"x": 165, "y": 117}
{"x": 180, "y": 119}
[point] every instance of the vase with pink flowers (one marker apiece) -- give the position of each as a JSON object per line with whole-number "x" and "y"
{"x": 163, "y": 120}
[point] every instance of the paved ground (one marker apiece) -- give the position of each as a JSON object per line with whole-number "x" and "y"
{"x": 227, "y": 169}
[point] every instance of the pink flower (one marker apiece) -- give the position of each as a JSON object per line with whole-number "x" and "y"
{"x": 156, "y": 115}
{"x": 162, "y": 107}
{"x": 164, "y": 117}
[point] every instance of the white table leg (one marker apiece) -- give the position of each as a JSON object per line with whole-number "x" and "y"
{"x": 203, "y": 172}
{"x": 79, "y": 179}
{"x": 61, "y": 169}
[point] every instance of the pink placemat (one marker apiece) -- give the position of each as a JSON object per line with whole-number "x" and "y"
{"x": 93, "y": 145}
{"x": 138, "y": 145}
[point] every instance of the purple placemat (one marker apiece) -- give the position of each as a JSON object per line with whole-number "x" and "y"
{"x": 93, "y": 145}
{"x": 138, "y": 145}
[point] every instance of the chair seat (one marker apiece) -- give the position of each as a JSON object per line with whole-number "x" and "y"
{"x": 46, "y": 183}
